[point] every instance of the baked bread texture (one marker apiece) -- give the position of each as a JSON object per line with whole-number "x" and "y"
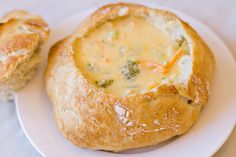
{"x": 129, "y": 77}
{"x": 21, "y": 34}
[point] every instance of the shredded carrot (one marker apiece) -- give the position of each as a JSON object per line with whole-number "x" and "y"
{"x": 165, "y": 68}
{"x": 174, "y": 59}
{"x": 155, "y": 66}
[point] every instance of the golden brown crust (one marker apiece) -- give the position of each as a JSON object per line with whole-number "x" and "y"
{"x": 92, "y": 118}
{"x": 20, "y": 35}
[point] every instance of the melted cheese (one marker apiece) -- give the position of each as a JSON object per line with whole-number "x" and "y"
{"x": 104, "y": 52}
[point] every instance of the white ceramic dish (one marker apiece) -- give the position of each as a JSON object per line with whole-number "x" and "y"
{"x": 215, "y": 124}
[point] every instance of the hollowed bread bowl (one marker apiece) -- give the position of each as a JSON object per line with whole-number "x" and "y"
{"x": 129, "y": 77}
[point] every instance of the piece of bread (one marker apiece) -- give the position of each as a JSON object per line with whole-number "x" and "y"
{"x": 129, "y": 77}
{"x": 21, "y": 34}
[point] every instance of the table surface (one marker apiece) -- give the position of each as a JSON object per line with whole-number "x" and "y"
{"x": 219, "y": 15}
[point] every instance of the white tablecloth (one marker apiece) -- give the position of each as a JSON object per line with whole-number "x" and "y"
{"x": 219, "y": 15}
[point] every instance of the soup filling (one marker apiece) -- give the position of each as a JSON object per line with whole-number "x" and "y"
{"x": 132, "y": 55}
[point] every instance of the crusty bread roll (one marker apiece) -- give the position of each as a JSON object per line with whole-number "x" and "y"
{"x": 129, "y": 77}
{"x": 21, "y": 34}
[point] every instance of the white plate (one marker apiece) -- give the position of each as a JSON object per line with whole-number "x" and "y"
{"x": 216, "y": 122}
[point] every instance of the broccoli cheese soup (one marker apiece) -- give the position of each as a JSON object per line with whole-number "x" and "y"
{"x": 129, "y": 55}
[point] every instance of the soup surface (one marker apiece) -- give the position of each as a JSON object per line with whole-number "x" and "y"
{"x": 130, "y": 54}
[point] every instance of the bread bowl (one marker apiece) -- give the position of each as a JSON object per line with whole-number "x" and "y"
{"x": 21, "y": 34}
{"x": 129, "y": 77}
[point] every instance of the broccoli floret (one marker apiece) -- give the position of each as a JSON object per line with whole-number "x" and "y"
{"x": 104, "y": 83}
{"x": 131, "y": 69}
